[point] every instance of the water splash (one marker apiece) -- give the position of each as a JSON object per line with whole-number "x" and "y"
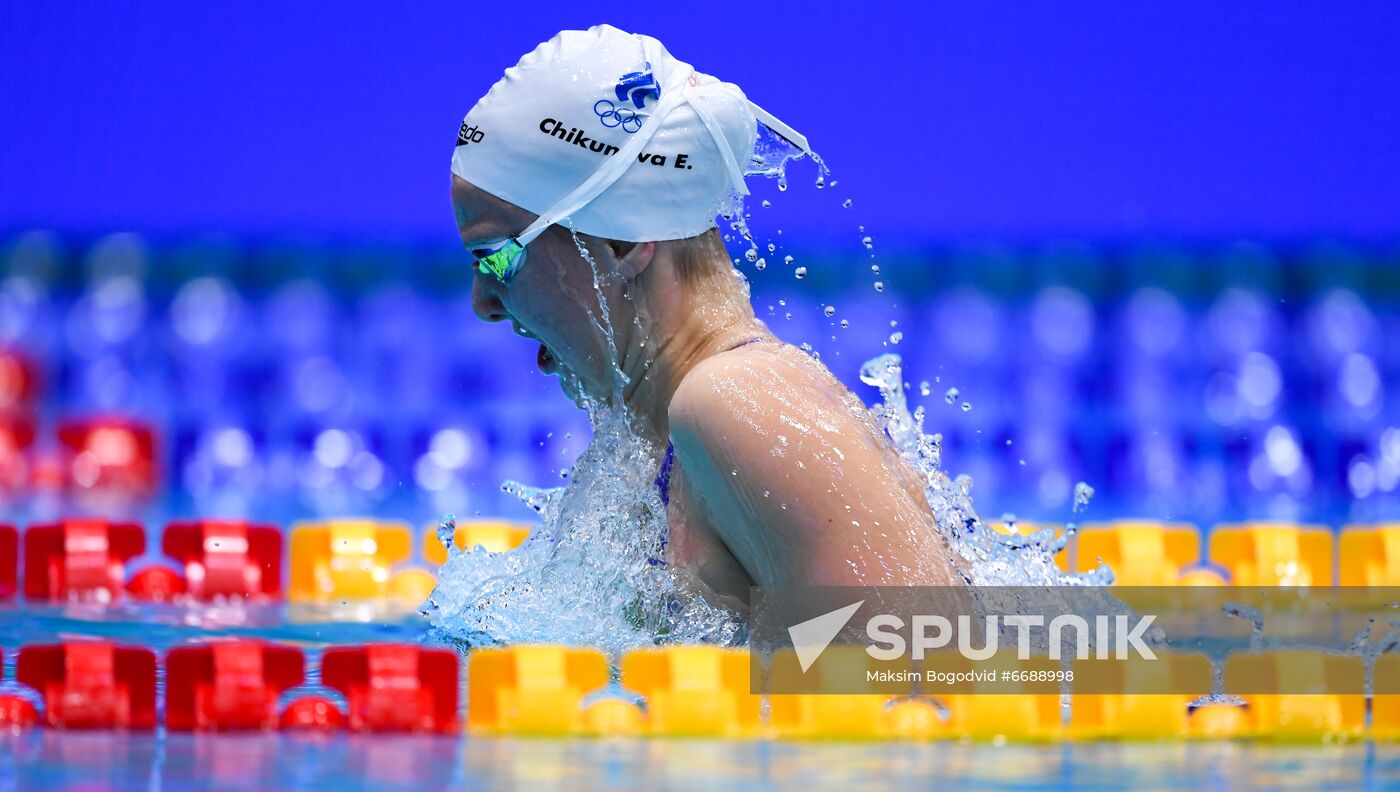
{"x": 590, "y": 574}
{"x": 1254, "y": 616}
{"x": 984, "y": 556}
{"x": 594, "y": 573}
{"x": 602, "y": 537}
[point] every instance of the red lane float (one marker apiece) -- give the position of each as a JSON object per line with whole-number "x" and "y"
{"x": 19, "y": 382}
{"x": 314, "y": 714}
{"x": 156, "y": 584}
{"x": 9, "y": 561}
{"x": 109, "y": 456}
{"x": 16, "y": 440}
{"x": 16, "y": 712}
{"x": 96, "y": 685}
{"x": 229, "y": 686}
{"x": 395, "y": 687}
{"x": 229, "y": 558}
{"x": 79, "y": 559}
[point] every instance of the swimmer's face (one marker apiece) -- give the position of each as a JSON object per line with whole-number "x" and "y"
{"x": 552, "y": 298}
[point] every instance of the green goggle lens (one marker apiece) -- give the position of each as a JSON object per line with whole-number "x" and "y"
{"x": 500, "y": 262}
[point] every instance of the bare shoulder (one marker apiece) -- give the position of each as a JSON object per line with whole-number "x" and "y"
{"x": 763, "y": 402}
{"x": 748, "y": 387}
{"x": 794, "y": 478}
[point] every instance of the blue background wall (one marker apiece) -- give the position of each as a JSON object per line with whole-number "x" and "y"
{"x": 1200, "y": 120}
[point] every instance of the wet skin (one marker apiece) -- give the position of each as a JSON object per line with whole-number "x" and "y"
{"x": 780, "y": 475}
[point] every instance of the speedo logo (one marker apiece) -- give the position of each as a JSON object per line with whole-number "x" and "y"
{"x": 576, "y": 136}
{"x": 469, "y": 134}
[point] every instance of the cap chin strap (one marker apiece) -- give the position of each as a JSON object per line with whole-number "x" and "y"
{"x": 610, "y": 171}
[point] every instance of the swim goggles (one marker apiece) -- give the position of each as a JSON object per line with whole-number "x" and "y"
{"x": 500, "y": 261}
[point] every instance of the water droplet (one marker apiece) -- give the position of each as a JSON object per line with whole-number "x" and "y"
{"x": 751, "y": 255}
{"x": 829, "y": 310}
{"x": 1083, "y": 493}
{"x": 868, "y": 242}
{"x": 772, "y": 247}
{"x": 896, "y": 337}
{"x": 845, "y": 323}
{"x": 846, "y": 203}
{"x": 787, "y": 259}
{"x": 782, "y": 186}
{"x": 951, "y": 396}
{"x": 445, "y": 531}
{"x": 967, "y": 406}
{"x": 767, "y": 203}
{"x": 879, "y": 286}
{"x": 760, "y": 264}
{"x": 1008, "y": 441}
{"x": 800, "y": 272}
{"x": 924, "y": 388}
{"x": 821, "y": 181}
{"x": 875, "y": 268}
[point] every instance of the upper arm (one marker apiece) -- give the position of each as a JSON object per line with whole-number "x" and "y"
{"x": 795, "y": 481}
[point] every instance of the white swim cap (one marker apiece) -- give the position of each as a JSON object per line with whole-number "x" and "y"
{"x": 608, "y": 131}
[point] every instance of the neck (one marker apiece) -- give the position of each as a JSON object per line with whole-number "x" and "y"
{"x": 678, "y": 327}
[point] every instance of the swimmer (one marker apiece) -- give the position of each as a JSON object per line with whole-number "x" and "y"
{"x": 587, "y": 181}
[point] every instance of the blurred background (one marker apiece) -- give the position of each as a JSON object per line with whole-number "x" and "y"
{"x": 1155, "y": 249}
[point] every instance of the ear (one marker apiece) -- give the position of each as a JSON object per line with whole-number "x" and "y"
{"x": 637, "y": 258}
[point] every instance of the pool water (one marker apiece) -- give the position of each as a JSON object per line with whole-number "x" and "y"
{"x": 47, "y": 759}
{"x": 54, "y": 759}
{"x": 287, "y": 455}
{"x": 159, "y": 626}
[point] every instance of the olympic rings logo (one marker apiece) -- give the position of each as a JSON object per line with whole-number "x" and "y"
{"x": 613, "y": 116}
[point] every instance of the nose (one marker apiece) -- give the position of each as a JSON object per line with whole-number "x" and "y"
{"x": 486, "y": 299}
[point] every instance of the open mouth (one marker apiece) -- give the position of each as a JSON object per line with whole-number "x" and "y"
{"x": 545, "y": 360}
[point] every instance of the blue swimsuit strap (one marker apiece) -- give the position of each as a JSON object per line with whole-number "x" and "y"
{"x": 663, "y": 476}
